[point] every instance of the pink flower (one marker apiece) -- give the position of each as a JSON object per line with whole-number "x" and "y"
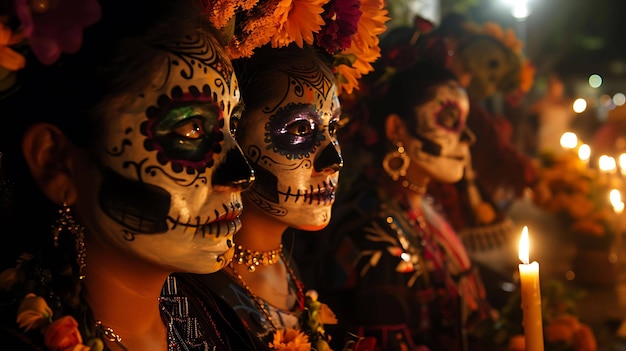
{"x": 58, "y": 28}
{"x": 63, "y": 334}
{"x": 341, "y": 18}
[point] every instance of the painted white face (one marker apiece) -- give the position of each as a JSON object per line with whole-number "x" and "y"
{"x": 171, "y": 170}
{"x": 440, "y": 145}
{"x": 291, "y": 142}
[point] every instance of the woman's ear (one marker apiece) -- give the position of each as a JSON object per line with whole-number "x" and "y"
{"x": 48, "y": 155}
{"x": 394, "y": 127}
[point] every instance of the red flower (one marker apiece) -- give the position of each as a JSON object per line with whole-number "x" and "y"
{"x": 402, "y": 57}
{"x": 422, "y": 24}
{"x": 341, "y": 18}
{"x": 56, "y": 27}
{"x": 62, "y": 334}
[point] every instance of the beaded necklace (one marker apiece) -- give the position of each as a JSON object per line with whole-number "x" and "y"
{"x": 260, "y": 303}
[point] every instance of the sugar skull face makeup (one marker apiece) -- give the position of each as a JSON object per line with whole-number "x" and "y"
{"x": 171, "y": 170}
{"x": 440, "y": 142}
{"x": 292, "y": 145}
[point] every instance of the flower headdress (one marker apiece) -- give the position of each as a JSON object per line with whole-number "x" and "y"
{"x": 346, "y": 29}
{"x": 401, "y": 49}
{"x": 47, "y": 28}
{"x": 517, "y": 71}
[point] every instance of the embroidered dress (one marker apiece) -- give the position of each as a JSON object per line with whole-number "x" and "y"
{"x": 403, "y": 275}
{"x": 227, "y": 285}
{"x": 202, "y": 320}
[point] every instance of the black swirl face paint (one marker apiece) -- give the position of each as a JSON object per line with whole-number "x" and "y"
{"x": 291, "y": 142}
{"x": 159, "y": 195}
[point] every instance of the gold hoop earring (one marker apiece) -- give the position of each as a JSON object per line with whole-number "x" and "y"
{"x": 66, "y": 222}
{"x": 396, "y": 162}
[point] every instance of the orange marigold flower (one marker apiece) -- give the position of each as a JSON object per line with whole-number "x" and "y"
{"x": 527, "y": 76}
{"x": 562, "y": 328}
{"x": 10, "y": 59}
{"x": 290, "y": 340}
{"x": 584, "y": 340}
{"x": 256, "y": 29}
{"x": 364, "y": 45}
{"x": 220, "y": 12}
{"x": 299, "y": 21}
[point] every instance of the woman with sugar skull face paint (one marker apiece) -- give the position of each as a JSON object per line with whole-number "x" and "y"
{"x": 118, "y": 169}
{"x": 288, "y": 134}
{"x": 403, "y": 276}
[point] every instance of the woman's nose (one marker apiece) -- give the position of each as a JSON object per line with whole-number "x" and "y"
{"x": 235, "y": 171}
{"x": 329, "y": 159}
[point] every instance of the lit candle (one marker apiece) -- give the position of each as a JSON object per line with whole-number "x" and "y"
{"x": 531, "y": 297}
{"x": 615, "y": 197}
{"x": 622, "y": 163}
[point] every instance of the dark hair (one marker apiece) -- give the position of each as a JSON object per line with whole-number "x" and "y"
{"x": 405, "y": 88}
{"x": 119, "y": 57}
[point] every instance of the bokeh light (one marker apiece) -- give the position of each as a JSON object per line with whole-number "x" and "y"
{"x": 595, "y": 81}
{"x": 569, "y": 140}
{"x": 580, "y": 105}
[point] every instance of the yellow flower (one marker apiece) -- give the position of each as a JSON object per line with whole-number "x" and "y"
{"x": 33, "y": 312}
{"x": 10, "y": 59}
{"x": 290, "y": 340}
{"x": 299, "y": 20}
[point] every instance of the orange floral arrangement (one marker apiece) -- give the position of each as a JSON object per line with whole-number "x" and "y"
{"x": 346, "y": 29}
{"x": 562, "y": 329}
{"x": 311, "y": 335}
{"x": 577, "y": 196}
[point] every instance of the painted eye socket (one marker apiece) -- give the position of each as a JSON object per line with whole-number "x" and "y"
{"x": 192, "y": 129}
{"x": 449, "y": 116}
{"x": 295, "y": 130}
{"x": 189, "y": 134}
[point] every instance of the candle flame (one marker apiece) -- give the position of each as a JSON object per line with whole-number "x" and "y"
{"x": 523, "y": 246}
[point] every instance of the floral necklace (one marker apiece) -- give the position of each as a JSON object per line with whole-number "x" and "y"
{"x": 260, "y": 303}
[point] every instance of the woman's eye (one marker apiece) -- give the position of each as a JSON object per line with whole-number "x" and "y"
{"x": 300, "y": 128}
{"x": 191, "y": 129}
